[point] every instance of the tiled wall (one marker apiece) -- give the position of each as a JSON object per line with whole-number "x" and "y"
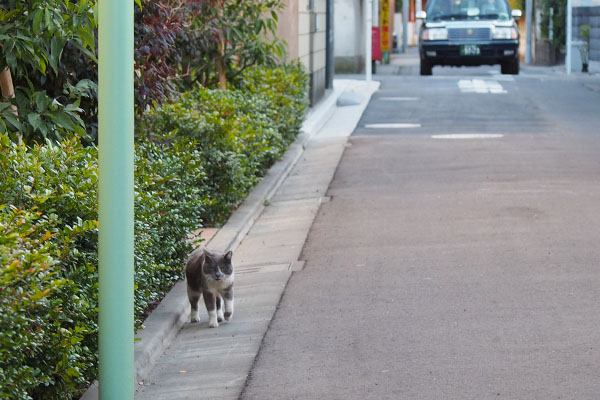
{"x": 311, "y": 43}
{"x": 302, "y": 24}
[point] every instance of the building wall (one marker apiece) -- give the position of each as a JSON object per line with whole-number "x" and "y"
{"x": 302, "y": 24}
{"x": 349, "y": 42}
{"x": 312, "y": 43}
{"x": 591, "y": 16}
{"x": 287, "y": 28}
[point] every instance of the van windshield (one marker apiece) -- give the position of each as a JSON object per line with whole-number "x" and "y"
{"x": 450, "y": 10}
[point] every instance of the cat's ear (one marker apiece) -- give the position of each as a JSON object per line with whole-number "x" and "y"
{"x": 228, "y": 256}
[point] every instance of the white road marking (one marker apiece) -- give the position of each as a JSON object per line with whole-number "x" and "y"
{"x": 500, "y": 77}
{"x": 399, "y": 98}
{"x": 480, "y": 86}
{"x": 469, "y": 136}
{"x": 392, "y": 126}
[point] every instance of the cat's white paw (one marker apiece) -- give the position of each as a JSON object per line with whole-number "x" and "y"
{"x": 194, "y": 318}
{"x": 213, "y": 324}
{"x": 228, "y": 316}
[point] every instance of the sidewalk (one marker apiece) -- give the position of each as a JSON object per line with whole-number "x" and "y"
{"x": 267, "y": 234}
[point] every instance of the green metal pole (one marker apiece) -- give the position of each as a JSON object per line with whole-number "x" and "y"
{"x": 115, "y": 198}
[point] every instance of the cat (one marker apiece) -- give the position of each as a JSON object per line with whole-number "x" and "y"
{"x": 210, "y": 275}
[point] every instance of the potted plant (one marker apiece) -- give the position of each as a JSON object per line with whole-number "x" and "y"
{"x": 584, "y": 34}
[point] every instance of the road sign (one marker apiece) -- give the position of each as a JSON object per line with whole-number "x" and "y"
{"x": 385, "y": 25}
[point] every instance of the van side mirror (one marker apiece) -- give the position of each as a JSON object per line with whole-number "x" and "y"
{"x": 516, "y": 14}
{"x": 421, "y": 15}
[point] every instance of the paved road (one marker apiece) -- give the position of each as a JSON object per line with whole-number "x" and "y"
{"x": 452, "y": 268}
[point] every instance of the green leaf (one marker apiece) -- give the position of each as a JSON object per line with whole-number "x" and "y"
{"x": 83, "y": 4}
{"x": 41, "y": 64}
{"x": 10, "y": 117}
{"x": 61, "y": 119}
{"x": 55, "y": 105}
{"x": 258, "y": 24}
{"x": 37, "y": 20}
{"x": 56, "y": 48}
{"x": 87, "y": 35}
{"x": 86, "y": 51}
{"x": 96, "y": 12}
{"x": 73, "y": 107}
{"x": 35, "y": 120}
{"x": 47, "y": 20}
{"x": 11, "y": 60}
{"x": 4, "y": 106}
{"x": 42, "y": 101}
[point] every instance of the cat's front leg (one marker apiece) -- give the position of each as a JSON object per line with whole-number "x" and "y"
{"x": 228, "y": 300}
{"x": 219, "y": 309}
{"x": 211, "y": 308}
{"x": 194, "y": 298}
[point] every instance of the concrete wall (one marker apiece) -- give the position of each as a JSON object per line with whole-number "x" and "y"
{"x": 349, "y": 39}
{"x": 591, "y": 16}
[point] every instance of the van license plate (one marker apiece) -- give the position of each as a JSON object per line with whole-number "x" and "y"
{"x": 470, "y": 50}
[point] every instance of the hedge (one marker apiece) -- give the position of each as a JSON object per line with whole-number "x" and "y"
{"x": 201, "y": 157}
{"x": 240, "y": 132}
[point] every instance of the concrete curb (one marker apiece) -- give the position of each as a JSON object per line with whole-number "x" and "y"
{"x": 240, "y": 222}
{"x": 320, "y": 113}
{"x": 162, "y": 326}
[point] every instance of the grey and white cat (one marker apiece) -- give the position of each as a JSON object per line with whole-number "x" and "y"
{"x": 210, "y": 275}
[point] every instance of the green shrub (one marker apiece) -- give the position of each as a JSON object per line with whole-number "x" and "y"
{"x": 234, "y": 137}
{"x": 558, "y": 21}
{"x": 216, "y": 146}
{"x": 285, "y": 88}
{"x": 170, "y": 197}
{"x": 48, "y": 278}
{"x": 49, "y": 45}
{"x": 48, "y": 245}
{"x": 43, "y": 351}
{"x": 240, "y": 132}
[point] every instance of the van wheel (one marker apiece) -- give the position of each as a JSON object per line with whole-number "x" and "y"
{"x": 510, "y": 67}
{"x": 426, "y": 67}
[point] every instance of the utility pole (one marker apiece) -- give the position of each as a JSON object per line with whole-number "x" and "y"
{"x": 418, "y": 22}
{"x": 529, "y": 14}
{"x": 368, "y": 12}
{"x": 115, "y": 199}
{"x": 329, "y": 60}
{"x": 405, "y": 10}
{"x": 569, "y": 33}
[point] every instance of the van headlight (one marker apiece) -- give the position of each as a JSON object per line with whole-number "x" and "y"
{"x": 435, "y": 34}
{"x": 504, "y": 33}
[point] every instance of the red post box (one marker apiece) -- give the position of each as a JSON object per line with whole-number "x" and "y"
{"x": 375, "y": 44}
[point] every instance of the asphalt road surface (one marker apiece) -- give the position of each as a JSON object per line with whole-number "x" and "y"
{"x": 459, "y": 256}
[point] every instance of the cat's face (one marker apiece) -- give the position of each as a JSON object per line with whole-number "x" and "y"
{"x": 217, "y": 267}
